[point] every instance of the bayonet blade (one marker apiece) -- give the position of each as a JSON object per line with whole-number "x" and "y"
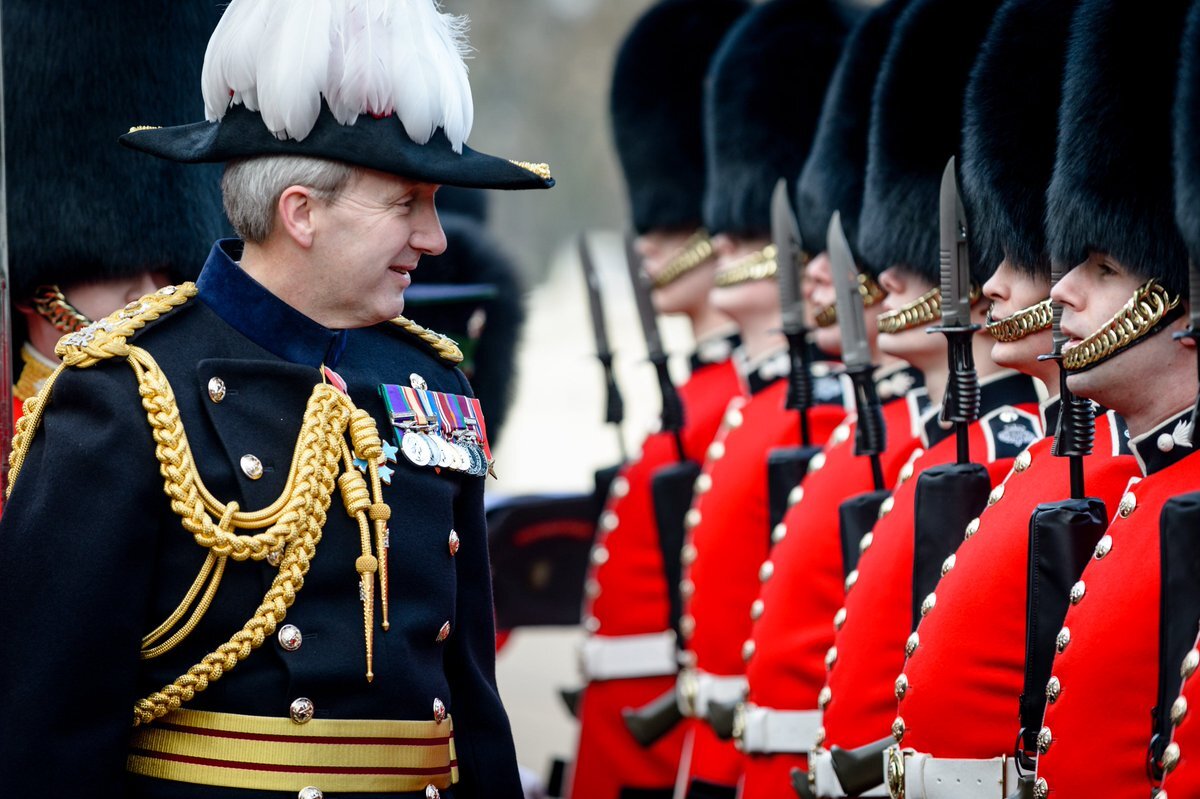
{"x": 641, "y": 296}
{"x": 955, "y": 262}
{"x": 786, "y": 236}
{"x": 595, "y": 305}
{"x": 856, "y": 350}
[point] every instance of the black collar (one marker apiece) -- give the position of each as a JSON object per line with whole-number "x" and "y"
{"x": 1007, "y": 388}
{"x": 1165, "y": 445}
{"x": 717, "y": 349}
{"x": 246, "y": 306}
{"x": 1050, "y": 410}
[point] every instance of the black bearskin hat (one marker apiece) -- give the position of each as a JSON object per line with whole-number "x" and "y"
{"x": 1113, "y": 182}
{"x": 916, "y": 126}
{"x": 763, "y": 100}
{"x": 836, "y": 168}
{"x": 1010, "y": 130}
{"x": 1187, "y": 137}
{"x": 656, "y": 104}
{"x": 80, "y": 206}
{"x": 474, "y": 282}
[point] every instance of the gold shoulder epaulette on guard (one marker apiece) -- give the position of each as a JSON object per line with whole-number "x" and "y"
{"x": 445, "y": 347}
{"x": 106, "y": 338}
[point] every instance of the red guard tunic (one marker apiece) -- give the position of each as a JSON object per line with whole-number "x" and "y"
{"x": 1095, "y": 738}
{"x": 727, "y": 544}
{"x": 961, "y": 687}
{"x": 1184, "y": 780}
{"x": 792, "y": 631}
{"x": 626, "y": 596}
{"x": 859, "y": 702}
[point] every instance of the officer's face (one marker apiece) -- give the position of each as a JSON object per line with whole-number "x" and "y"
{"x": 1010, "y": 290}
{"x": 366, "y": 243}
{"x": 689, "y": 293}
{"x": 818, "y": 295}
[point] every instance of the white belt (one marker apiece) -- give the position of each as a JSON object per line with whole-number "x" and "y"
{"x": 928, "y": 777}
{"x": 697, "y": 689}
{"x": 616, "y": 657}
{"x": 820, "y": 765}
{"x": 765, "y": 730}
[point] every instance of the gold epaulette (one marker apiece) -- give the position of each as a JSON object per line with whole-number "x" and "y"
{"x": 445, "y": 347}
{"x": 106, "y": 338}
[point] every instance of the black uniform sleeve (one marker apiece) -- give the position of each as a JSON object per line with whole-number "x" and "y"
{"x": 487, "y": 759}
{"x": 77, "y": 544}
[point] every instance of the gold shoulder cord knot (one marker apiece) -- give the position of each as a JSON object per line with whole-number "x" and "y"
{"x": 444, "y": 346}
{"x": 290, "y": 528}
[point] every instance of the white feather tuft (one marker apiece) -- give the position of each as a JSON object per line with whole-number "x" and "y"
{"x": 1182, "y": 434}
{"x": 378, "y": 57}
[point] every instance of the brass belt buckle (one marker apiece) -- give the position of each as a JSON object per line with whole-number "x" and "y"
{"x": 687, "y": 691}
{"x": 895, "y": 772}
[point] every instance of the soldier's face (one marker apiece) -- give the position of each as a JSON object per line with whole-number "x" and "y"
{"x": 687, "y": 294}
{"x": 1010, "y": 290}
{"x": 756, "y": 300}
{"x": 916, "y": 346}
{"x": 97, "y": 299}
{"x": 819, "y": 294}
{"x": 367, "y": 241}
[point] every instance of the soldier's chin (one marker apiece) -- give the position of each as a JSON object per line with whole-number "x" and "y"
{"x": 828, "y": 339}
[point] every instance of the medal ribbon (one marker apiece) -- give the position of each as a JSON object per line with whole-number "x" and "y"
{"x": 413, "y": 401}
{"x": 477, "y": 415}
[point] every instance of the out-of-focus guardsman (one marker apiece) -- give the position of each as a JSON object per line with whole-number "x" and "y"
{"x": 1109, "y": 212}
{"x": 908, "y": 188}
{"x": 178, "y": 634}
{"x": 803, "y": 585}
{"x": 630, "y": 656}
{"x": 144, "y": 222}
{"x": 960, "y": 691}
{"x": 764, "y": 97}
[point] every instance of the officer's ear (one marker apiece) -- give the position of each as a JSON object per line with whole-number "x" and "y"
{"x": 294, "y": 214}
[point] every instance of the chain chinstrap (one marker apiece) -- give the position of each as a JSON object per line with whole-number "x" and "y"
{"x": 1024, "y": 322}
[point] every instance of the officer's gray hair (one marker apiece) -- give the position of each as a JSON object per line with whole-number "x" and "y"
{"x": 251, "y": 188}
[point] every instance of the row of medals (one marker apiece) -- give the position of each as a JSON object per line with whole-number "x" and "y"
{"x": 426, "y": 447}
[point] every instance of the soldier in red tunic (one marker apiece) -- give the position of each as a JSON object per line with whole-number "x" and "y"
{"x": 1109, "y": 212}
{"x": 764, "y": 97}
{"x": 803, "y": 585}
{"x": 903, "y": 177}
{"x": 630, "y": 655}
{"x": 961, "y": 689}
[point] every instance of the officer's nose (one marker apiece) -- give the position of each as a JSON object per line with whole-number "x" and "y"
{"x": 427, "y": 235}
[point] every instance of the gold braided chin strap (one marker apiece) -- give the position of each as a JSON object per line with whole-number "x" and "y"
{"x": 922, "y": 311}
{"x": 870, "y": 291}
{"x": 53, "y": 306}
{"x": 755, "y": 266}
{"x": 1140, "y": 315}
{"x": 291, "y": 527}
{"x": 697, "y": 250}
{"x": 1024, "y": 322}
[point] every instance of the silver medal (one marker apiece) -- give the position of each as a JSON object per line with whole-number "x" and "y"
{"x": 415, "y": 448}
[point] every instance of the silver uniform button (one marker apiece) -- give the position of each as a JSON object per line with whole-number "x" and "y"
{"x": 274, "y": 556}
{"x": 431, "y": 792}
{"x": 216, "y": 389}
{"x": 439, "y": 710}
{"x": 252, "y": 467}
{"x": 290, "y": 637}
{"x": 443, "y": 633}
{"x": 454, "y": 543}
{"x": 302, "y": 710}
{"x": 311, "y": 792}
{"x": 417, "y": 382}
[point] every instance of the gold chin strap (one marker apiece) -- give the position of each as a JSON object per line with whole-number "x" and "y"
{"x": 755, "y": 266}
{"x": 53, "y": 306}
{"x": 923, "y": 310}
{"x": 871, "y": 292}
{"x": 695, "y": 251}
{"x": 285, "y": 534}
{"x": 1144, "y": 311}
{"x": 1024, "y": 322}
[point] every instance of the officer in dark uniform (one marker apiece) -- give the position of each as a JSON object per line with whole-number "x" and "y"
{"x": 209, "y": 608}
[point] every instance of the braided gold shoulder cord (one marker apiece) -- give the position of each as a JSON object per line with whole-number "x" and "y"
{"x": 293, "y": 523}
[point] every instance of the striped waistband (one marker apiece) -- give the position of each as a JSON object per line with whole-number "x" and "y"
{"x": 275, "y": 754}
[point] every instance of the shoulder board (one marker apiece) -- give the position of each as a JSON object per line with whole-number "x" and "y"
{"x": 1009, "y": 431}
{"x": 107, "y": 338}
{"x": 444, "y": 347}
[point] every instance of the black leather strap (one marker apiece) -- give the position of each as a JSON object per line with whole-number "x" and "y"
{"x": 856, "y": 518}
{"x": 671, "y": 493}
{"x": 786, "y": 468}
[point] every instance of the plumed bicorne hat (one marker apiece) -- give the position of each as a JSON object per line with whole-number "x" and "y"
{"x": 1113, "y": 186}
{"x": 765, "y": 89}
{"x": 474, "y": 278}
{"x": 380, "y": 84}
{"x": 1187, "y": 137}
{"x": 916, "y": 127}
{"x": 80, "y": 208}
{"x": 656, "y": 105}
{"x": 1010, "y": 130}
{"x": 833, "y": 176}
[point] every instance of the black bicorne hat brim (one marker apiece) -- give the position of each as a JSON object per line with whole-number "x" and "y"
{"x": 379, "y": 143}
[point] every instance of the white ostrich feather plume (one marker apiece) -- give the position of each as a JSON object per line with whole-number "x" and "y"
{"x": 378, "y": 57}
